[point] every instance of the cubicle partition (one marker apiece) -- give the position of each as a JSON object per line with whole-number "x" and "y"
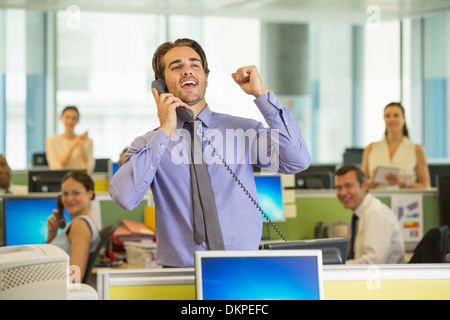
{"x": 146, "y": 284}
{"x": 341, "y": 282}
{"x": 310, "y": 206}
{"x": 418, "y": 210}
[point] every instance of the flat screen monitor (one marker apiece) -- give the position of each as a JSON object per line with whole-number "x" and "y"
{"x": 112, "y": 168}
{"x": 443, "y": 185}
{"x": 25, "y": 218}
{"x": 45, "y": 180}
{"x": 40, "y": 159}
{"x": 316, "y": 177}
{"x": 259, "y": 275}
{"x": 101, "y": 165}
{"x": 353, "y": 155}
{"x": 270, "y": 196}
{"x": 436, "y": 170}
{"x": 334, "y": 250}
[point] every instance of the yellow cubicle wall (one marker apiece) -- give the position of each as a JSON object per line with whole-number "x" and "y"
{"x": 146, "y": 284}
{"x": 341, "y": 282}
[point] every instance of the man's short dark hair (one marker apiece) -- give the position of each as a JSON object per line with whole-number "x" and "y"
{"x": 360, "y": 176}
{"x": 158, "y": 63}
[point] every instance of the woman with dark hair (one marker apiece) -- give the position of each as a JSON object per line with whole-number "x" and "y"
{"x": 80, "y": 236}
{"x": 70, "y": 150}
{"x": 397, "y": 150}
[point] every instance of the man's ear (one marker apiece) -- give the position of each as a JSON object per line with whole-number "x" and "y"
{"x": 365, "y": 185}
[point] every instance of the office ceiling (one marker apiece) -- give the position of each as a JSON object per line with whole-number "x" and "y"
{"x": 355, "y": 11}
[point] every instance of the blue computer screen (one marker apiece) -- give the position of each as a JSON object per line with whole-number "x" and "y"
{"x": 114, "y": 167}
{"x": 25, "y": 219}
{"x": 260, "y": 278}
{"x": 270, "y": 196}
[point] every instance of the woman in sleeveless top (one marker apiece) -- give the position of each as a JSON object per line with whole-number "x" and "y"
{"x": 80, "y": 236}
{"x": 397, "y": 150}
{"x": 70, "y": 150}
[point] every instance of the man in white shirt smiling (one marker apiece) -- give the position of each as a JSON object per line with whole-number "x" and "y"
{"x": 377, "y": 237}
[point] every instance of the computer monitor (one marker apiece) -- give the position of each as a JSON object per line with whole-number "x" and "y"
{"x": 353, "y": 156}
{"x": 112, "y": 168}
{"x": 334, "y": 250}
{"x": 316, "y": 177}
{"x": 443, "y": 186}
{"x": 436, "y": 170}
{"x": 101, "y": 165}
{"x": 259, "y": 275}
{"x": 40, "y": 159}
{"x": 45, "y": 180}
{"x": 270, "y": 196}
{"x": 25, "y": 218}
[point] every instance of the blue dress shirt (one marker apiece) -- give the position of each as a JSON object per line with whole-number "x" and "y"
{"x": 161, "y": 163}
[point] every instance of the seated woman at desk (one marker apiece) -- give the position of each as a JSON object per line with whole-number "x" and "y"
{"x": 80, "y": 236}
{"x": 397, "y": 150}
{"x": 69, "y": 150}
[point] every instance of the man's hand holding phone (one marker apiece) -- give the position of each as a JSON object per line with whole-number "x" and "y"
{"x": 166, "y": 104}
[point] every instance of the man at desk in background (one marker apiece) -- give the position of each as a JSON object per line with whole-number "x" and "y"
{"x": 5, "y": 179}
{"x": 150, "y": 158}
{"x": 376, "y": 238}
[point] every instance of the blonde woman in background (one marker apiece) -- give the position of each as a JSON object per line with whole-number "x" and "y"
{"x": 69, "y": 150}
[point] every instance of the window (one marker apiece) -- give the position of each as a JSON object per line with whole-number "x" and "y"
{"x": 104, "y": 68}
{"x": 15, "y": 52}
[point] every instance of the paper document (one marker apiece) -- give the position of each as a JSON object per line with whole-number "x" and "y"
{"x": 381, "y": 172}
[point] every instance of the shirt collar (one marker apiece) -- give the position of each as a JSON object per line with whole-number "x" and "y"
{"x": 205, "y": 116}
{"x": 360, "y": 208}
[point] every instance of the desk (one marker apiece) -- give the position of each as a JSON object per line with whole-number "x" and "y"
{"x": 341, "y": 282}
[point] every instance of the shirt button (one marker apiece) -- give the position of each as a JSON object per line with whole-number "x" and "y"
{"x": 152, "y": 167}
{"x": 162, "y": 145}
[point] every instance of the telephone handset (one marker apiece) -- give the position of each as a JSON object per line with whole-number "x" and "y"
{"x": 182, "y": 113}
{"x": 60, "y": 216}
{"x": 188, "y": 116}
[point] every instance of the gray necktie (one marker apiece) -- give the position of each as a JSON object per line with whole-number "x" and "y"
{"x": 206, "y": 221}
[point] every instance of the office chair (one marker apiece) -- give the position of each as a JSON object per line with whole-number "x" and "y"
{"x": 433, "y": 247}
{"x": 105, "y": 233}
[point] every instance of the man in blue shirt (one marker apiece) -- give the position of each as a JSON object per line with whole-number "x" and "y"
{"x": 160, "y": 158}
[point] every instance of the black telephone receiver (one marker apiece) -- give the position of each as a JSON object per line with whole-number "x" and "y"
{"x": 188, "y": 116}
{"x": 182, "y": 113}
{"x": 60, "y": 217}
